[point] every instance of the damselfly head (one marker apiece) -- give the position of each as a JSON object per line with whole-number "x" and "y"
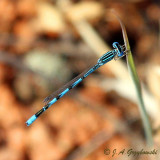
{"x": 120, "y": 50}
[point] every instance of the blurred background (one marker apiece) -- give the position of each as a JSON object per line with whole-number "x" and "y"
{"x": 46, "y": 43}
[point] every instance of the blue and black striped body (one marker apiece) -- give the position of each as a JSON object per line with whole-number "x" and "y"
{"x": 52, "y": 98}
{"x": 106, "y": 57}
{"x": 66, "y": 88}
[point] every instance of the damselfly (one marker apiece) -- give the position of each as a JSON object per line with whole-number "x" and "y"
{"x": 118, "y": 52}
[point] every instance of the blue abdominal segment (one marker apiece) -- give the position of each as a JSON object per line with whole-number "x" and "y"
{"x": 76, "y": 82}
{"x": 63, "y": 93}
{"x": 31, "y": 120}
{"x": 52, "y": 101}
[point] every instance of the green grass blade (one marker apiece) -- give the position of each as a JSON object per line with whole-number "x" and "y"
{"x": 134, "y": 76}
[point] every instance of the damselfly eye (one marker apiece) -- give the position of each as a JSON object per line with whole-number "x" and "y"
{"x": 115, "y": 45}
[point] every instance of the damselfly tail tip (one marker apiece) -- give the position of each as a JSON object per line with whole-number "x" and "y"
{"x": 31, "y": 120}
